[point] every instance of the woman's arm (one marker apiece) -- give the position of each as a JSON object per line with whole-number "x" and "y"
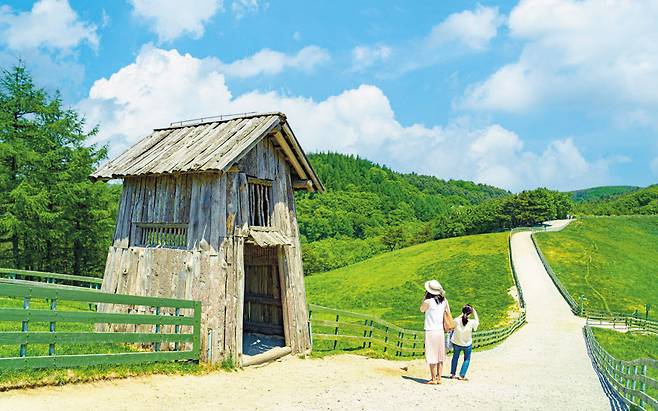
{"x": 425, "y": 306}
{"x": 476, "y": 320}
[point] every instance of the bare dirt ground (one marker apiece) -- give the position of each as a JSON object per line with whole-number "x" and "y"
{"x": 543, "y": 366}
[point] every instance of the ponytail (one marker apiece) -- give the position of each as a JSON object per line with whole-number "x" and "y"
{"x": 466, "y": 311}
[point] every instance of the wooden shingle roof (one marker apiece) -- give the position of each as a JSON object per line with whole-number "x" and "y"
{"x": 208, "y": 146}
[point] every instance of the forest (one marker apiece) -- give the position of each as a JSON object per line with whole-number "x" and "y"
{"x": 52, "y": 218}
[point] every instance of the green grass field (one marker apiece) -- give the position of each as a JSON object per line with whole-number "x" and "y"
{"x": 613, "y": 261}
{"x": 30, "y": 378}
{"x": 472, "y": 269}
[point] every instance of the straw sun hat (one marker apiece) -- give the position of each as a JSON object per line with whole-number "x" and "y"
{"x": 434, "y": 287}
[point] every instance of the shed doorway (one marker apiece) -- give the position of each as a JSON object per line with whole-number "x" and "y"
{"x": 263, "y": 324}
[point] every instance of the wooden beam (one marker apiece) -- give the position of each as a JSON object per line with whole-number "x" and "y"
{"x": 281, "y": 141}
{"x": 303, "y": 185}
{"x": 259, "y": 181}
{"x": 304, "y": 160}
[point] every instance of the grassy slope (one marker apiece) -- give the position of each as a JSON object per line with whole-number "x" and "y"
{"x": 472, "y": 269}
{"x": 611, "y": 260}
{"x": 29, "y": 378}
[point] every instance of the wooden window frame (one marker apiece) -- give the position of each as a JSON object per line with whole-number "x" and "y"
{"x": 260, "y": 202}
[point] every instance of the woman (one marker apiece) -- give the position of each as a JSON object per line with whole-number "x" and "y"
{"x": 462, "y": 340}
{"x": 434, "y": 305}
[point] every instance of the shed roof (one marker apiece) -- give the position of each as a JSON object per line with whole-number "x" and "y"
{"x": 208, "y": 146}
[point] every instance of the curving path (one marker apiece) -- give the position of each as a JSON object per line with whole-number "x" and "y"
{"x": 542, "y": 366}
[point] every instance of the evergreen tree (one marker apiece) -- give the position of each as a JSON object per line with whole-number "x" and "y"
{"x": 54, "y": 218}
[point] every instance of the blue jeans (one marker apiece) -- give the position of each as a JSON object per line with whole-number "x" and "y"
{"x": 455, "y": 358}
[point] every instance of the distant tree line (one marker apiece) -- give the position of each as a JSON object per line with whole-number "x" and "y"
{"x": 527, "y": 208}
{"x": 640, "y": 201}
{"x": 52, "y": 218}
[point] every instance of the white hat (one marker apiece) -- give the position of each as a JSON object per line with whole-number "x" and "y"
{"x": 434, "y": 287}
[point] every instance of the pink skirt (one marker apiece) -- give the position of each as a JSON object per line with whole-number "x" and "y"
{"x": 435, "y": 346}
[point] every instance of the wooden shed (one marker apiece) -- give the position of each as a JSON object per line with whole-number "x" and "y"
{"x": 208, "y": 213}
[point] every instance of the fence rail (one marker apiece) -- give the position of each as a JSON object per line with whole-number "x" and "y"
{"x": 628, "y": 378}
{"x": 150, "y": 324}
{"x": 51, "y": 278}
{"x": 513, "y": 269}
{"x": 354, "y": 331}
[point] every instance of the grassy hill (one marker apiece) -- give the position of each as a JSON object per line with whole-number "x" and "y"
{"x": 641, "y": 201}
{"x": 472, "y": 269}
{"x": 600, "y": 193}
{"x": 611, "y": 260}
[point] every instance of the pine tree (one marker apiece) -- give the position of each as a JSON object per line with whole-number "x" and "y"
{"x": 50, "y": 213}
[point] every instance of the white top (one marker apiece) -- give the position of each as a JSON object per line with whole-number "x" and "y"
{"x": 463, "y": 334}
{"x": 433, "y": 314}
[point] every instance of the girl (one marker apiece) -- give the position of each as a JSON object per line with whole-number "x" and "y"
{"x": 434, "y": 305}
{"x": 462, "y": 340}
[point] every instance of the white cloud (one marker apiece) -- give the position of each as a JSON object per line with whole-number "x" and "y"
{"x": 162, "y": 86}
{"x": 591, "y": 50}
{"x": 241, "y": 8}
{"x": 469, "y": 31}
{"x": 50, "y": 24}
{"x": 171, "y": 19}
{"x": 470, "y": 28}
{"x": 364, "y": 56}
{"x": 269, "y": 62}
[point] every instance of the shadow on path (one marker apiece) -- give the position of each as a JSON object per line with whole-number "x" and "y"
{"x": 616, "y": 401}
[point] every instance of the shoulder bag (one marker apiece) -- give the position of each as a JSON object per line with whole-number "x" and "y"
{"x": 448, "y": 322}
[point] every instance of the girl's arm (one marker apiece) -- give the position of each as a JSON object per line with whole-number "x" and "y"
{"x": 476, "y": 320}
{"x": 425, "y": 306}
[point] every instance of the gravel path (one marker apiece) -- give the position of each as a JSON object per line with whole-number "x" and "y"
{"x": 544, "y": 366}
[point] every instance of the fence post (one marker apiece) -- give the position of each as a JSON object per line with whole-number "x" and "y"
{"x": 336, "y": 332}
{"x": 177, "y": 330}
{"x": 370, "y": 334}
{"x": 401, "y": 336}
{"x": 628, "y": 380}
{"x": 196, "y": 345}
{"x": 53, "y": 307}
{"x": 24, "y": 327}
{"x": 643, "y": 385}
{"x": 397, "y": 345}
{"x": 413, "y": 348}
{"x": 386, "y": 339}
{"x": 365, "y": 332}
{"x": 310, "y": 325}
{"x": 634, "y": 385}
{"x": 157, "y": 329}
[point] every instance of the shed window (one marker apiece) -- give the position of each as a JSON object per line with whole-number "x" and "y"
{"x": 260, "y": 202}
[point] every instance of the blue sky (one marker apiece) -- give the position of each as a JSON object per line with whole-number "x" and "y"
{"x": 556, "y": 93}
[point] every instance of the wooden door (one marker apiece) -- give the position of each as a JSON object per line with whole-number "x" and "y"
{"x": 262, "y": 292}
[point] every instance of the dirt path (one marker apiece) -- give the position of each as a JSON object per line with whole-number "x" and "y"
{"x": 542, "y": 366}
